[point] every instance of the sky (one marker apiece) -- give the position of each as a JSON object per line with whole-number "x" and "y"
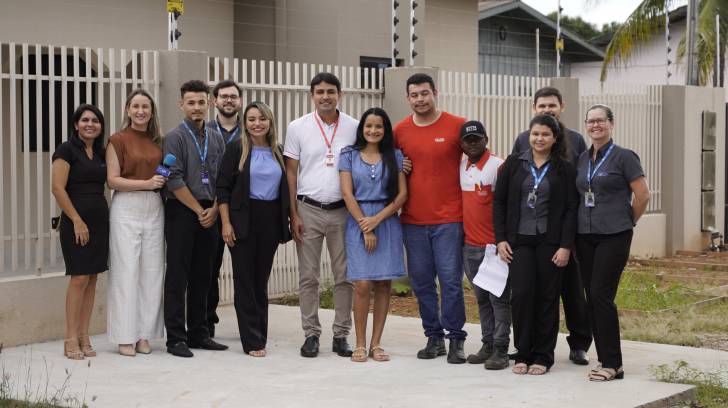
{"x": 604, "y": 11}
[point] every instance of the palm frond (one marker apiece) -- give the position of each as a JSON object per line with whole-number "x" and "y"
{"x": 645, "y": 21}
{"x": 706, "y": 39}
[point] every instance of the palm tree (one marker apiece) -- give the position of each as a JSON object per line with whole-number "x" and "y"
{"x": 648, "y": 19}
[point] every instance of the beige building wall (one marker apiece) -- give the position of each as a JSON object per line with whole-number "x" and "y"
{"x": 339, "y": 32}
{"x": 137, "y": 24}
{"x": 448, "y": 32}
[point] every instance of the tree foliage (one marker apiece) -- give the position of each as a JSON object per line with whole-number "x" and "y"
{"x": 648, "y": 19}
{"x": 582, "y": 28}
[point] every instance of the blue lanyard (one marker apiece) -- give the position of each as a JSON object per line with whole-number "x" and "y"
{"x": 589, "y": 173}
{"x": 232, "y": 134}
{"x": 203, "y": 154}
{"x": 538, "y": 178}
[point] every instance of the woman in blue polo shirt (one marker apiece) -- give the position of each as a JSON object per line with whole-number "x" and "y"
{"x": 607, "y": 178}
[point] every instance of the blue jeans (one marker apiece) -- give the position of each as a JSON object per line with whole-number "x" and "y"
{"x": 434, "y": 251}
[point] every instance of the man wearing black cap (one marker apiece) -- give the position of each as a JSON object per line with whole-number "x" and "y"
{"x": 478, "y": 174}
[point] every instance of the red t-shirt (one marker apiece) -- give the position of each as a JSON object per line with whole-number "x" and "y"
{"x": 434, "y": 183}
{"x": 478, "y": 184}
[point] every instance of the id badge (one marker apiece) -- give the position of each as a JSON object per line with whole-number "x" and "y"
{"x": 531, "y": 200}
{"x": 205, "y": 176}
{"x": 329, "y": 162}
{"x": 589, "y": 199}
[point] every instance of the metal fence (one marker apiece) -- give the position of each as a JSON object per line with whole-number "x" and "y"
{"x": 502, "y": 102}
{"x": 284, "y": 86}
{"x": 39, "y": 87}
{"x": 638, "y": 124}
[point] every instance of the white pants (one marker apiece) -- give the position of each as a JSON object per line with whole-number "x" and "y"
{"x": 136, "y": 267}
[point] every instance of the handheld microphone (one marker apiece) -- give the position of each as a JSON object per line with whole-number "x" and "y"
{"x": 163, "y": 169}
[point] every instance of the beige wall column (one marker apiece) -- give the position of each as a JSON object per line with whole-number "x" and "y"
{"x": 32, "y": 308}
{"x": 569, "y": 88}
{"x": 395, "y": 92}
{"x": 682, "y": 109}
{"x": 177, "y": 67}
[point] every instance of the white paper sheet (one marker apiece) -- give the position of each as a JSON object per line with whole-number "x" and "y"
{"x": 493, "y": 272}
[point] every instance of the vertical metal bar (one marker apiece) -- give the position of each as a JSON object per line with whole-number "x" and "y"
{"x": 88, "y": 79}
{"x": 538, "y": 53}
{"x": 112, "y": 92}
{"x": 13, "y": 102}
{"x": 76, "y": 75}
{"x": 40, "y": 198}
{"x": 2, "y": 161}
{"x": 53, "y": 240}
{"x": 26, "y": 157}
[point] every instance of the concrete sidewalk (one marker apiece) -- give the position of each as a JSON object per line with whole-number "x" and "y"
{"x": 284, "y": 379}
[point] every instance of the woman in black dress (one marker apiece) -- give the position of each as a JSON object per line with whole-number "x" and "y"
{"x": 78, "y": 177}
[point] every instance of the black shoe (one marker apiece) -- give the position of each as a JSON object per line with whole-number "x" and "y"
{"x": 498, "y": 360}
{"x": 310, "y": 347}
{"x": 180, "y": 350}
{"x": 435, "y": 347}
{"x": 579, "y": 357}
{"x": 483, "y": 354}
{"x": 211, "y": 329}
{"x": 208, "y": 344}
{"x": 341, "y": 347}
{"x": 456, "y": 354}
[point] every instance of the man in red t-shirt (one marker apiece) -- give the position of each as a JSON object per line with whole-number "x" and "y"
{"x": 432, "y": 217}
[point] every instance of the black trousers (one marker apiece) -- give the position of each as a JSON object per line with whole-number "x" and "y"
{"x": 575, "y": 313}
{"x": 535, "y": 287}
{"x": 189, "y": 267}
{"x": 252, "y": 262}
{"x": 603, "y": 258}
{"x": 213, "y": 296}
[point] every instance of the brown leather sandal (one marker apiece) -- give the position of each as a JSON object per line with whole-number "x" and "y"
{"x": 359, "y": 355}
{"x": 377, "y": 353}
{"x": 85, "y": 343}
{"x": 73, "y": 352}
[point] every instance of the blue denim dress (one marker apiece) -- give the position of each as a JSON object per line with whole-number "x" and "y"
{"x": 387, "y": 260}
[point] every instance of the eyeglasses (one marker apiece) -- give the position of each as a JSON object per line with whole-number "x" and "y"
{"x": 592, "y": 122}
{"x": 228, "y": 97}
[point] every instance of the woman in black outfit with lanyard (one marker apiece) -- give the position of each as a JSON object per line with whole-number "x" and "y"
{"x": 534, "y": 219}
{"x": 608, "y": 175}
{"x": 78, "y": 175}
{"x": 254, "y": 207}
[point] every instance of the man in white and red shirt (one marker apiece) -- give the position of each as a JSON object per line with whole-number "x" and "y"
{"x": 478, "y": 174}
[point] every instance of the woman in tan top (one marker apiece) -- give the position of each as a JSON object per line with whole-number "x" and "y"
{"x": 136, "y": 242}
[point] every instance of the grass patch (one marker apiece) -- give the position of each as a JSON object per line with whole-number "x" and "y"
{"x": 326, "y": 298}
{"x": 639, "y": 291}
{"x": 710, "y": 391}
{"x": 683, "y": 327}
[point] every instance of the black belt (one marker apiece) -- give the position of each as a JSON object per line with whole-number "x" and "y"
{"x": 324, "y": 206}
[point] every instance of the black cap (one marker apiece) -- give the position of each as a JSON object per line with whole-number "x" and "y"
{"x": 472, "y": 127}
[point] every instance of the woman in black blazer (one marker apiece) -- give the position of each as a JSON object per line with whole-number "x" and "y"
{"x": 534, "y": 219}
{"x": 254, "y": 208}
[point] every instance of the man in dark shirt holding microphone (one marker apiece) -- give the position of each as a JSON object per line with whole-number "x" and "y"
{"x": 190, "y": 216}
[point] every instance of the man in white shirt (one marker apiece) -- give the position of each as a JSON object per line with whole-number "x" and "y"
{"x": 312, "y": 147}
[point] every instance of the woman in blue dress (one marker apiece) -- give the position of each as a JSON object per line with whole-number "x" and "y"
{"x": 374, "y": 189}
